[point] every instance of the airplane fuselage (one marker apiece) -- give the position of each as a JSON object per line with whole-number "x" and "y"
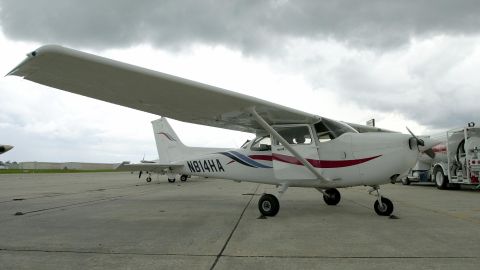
{"x": 350, "y": 160}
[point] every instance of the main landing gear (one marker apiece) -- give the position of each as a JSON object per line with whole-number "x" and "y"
{"x": 331, "y": 196}
{"x": 268, "y": 205}
{"x": 183, "y": 178}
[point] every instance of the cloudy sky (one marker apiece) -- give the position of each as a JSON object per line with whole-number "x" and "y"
{"x": 405, "y": 63}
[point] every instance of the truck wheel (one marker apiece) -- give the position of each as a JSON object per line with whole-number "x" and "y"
{"x": 440, "y": 180}
{"x": 406, "y": 181}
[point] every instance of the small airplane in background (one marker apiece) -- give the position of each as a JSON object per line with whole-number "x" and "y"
{"x": 152, "y": 166}
{"x": 291, "y": 149}
{"x": 5, "y": 148}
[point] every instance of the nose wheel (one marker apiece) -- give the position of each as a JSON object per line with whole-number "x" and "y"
{"x": 382, "y": 206}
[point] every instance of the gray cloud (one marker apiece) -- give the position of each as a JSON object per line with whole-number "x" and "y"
{"x": 434, "y": 93}
{"x": 250, "y": 26}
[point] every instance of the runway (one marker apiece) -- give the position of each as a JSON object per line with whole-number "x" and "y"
{"x": 116, "y": 221}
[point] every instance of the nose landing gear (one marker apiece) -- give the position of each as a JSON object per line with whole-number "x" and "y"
{"x": 383, "y": 206}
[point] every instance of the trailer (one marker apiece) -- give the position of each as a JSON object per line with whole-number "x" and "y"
{"x": 453, "y": 162}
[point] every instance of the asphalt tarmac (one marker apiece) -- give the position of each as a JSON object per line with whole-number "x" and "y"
{"x": 116, "y": 221}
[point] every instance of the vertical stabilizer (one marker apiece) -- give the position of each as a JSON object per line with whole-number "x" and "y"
{"x": 169, "y": 146}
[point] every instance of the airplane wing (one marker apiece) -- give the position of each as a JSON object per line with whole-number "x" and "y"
{"x": 150, "y": 91}
{"x": 147, "y": 167}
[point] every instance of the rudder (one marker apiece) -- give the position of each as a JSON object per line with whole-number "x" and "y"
{"x": 169, "y": 146}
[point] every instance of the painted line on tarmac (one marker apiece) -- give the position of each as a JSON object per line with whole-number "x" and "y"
{"x": 80, "y": 204}
{"x": 51, "y": 195}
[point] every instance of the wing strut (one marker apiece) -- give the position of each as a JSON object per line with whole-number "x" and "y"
{"x": 277, "y": 136}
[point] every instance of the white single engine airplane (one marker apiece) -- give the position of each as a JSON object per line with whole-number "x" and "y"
{"x": 291, "y": 149}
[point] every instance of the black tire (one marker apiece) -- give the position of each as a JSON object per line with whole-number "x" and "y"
{"x": 171, "y": 180}
{"x": 386, "y": 209}
{"x": 183, "y": 178}
{"x": 439, "y": 178}
{"x": 148, "y": 179}
{"x": 406, "y": 181}
{"x": 333, "y": 197}
{"x": 268, "y": 205}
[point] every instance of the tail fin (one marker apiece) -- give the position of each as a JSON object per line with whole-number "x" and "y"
{"x": 169, "y": 146}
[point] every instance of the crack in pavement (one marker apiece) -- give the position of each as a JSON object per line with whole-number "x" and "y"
{"x": 220, "y": 254}
{"x": 232, "y": 256}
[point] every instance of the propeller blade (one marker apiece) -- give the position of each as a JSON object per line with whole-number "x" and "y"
{"x": 430, "y": 153}
{"x": 140, "y": 174}
{"x": 419, "y": 141}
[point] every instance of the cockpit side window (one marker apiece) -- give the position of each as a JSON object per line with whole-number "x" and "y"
{"x": 329, "y": 129}
{"x": 262, "y": 144}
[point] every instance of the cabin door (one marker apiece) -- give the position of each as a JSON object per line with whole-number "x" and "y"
{"x": 285, "y": 164}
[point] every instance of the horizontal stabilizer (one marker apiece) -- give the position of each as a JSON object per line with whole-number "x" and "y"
{"x": 147, "y": 167}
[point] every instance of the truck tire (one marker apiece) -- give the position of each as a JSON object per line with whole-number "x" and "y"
{"x": 405, "y": 181}
{"x": 439, "y": 177}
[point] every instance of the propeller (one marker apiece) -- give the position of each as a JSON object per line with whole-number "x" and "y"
{"x": 427, "y": 150}
{"x": 140, "y": 174}
{"x": 419, "y": 141}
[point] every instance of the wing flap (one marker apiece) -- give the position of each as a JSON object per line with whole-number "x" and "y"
{"x": 150, "y": 91}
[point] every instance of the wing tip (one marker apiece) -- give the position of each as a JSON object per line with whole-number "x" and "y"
{"x": 49, "y": 48}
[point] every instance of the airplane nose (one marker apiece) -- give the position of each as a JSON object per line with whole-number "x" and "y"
{"x": 394, "y": 156}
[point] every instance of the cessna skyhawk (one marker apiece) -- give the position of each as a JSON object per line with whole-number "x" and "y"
{"x": 291, "y": 149}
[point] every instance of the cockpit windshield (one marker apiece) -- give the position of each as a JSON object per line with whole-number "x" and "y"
{"x": 328, "y": 129}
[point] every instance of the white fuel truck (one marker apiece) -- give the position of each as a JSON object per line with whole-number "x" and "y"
{"x": 454, "y": 161}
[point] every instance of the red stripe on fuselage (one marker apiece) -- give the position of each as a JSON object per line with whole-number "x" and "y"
{"x": 315, "y": 163}
{"x": 261, "y": 157}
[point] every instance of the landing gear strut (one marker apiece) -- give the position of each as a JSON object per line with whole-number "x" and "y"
{"x": 383, "y": 206}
